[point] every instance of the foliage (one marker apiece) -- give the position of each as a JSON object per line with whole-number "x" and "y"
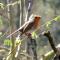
{"x": 7, "y": 42}
{"x": 49, "y": 23}
{"x": 1, "y": 5}
{"x": 34, "y": 35}
{"x": 57, "y": 18}
{"x": 0, "y": 33}
{"x": 49, "y": 55}
{"x": 18, "y": 41}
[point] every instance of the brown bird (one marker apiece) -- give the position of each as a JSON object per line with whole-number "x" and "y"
{"x": 31, "y": 24}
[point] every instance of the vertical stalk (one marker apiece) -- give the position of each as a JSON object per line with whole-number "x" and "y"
{"x": 21, "y": 12}
{"x": 11, "y": 25}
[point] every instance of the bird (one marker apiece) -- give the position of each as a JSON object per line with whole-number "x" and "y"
{"x": 31, "y": 24}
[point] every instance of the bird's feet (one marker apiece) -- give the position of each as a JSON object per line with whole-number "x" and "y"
{"x": 28, "y": 34}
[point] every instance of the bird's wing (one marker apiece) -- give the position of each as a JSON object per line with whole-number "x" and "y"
{"x": 25, "y": 26}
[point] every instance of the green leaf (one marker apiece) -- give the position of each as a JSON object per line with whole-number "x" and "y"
{"x": 48, "y": 25}
{"x": 1, "y": 5}
{"x": 0, "y": 33}
{"x": 18, "y": 41}
{"x": 57, "y": 18}
{"x": 34, "y": 35}
{"x": 7, "y": 42}
{"x": 49, "y": 55}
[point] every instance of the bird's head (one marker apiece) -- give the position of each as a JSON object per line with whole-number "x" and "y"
{"x": 37, "y": 21}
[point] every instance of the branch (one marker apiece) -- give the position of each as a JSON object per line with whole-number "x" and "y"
{"x": 48, "y": 35}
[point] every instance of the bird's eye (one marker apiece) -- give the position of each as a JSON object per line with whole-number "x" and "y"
{"x": 37, "y": 18}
